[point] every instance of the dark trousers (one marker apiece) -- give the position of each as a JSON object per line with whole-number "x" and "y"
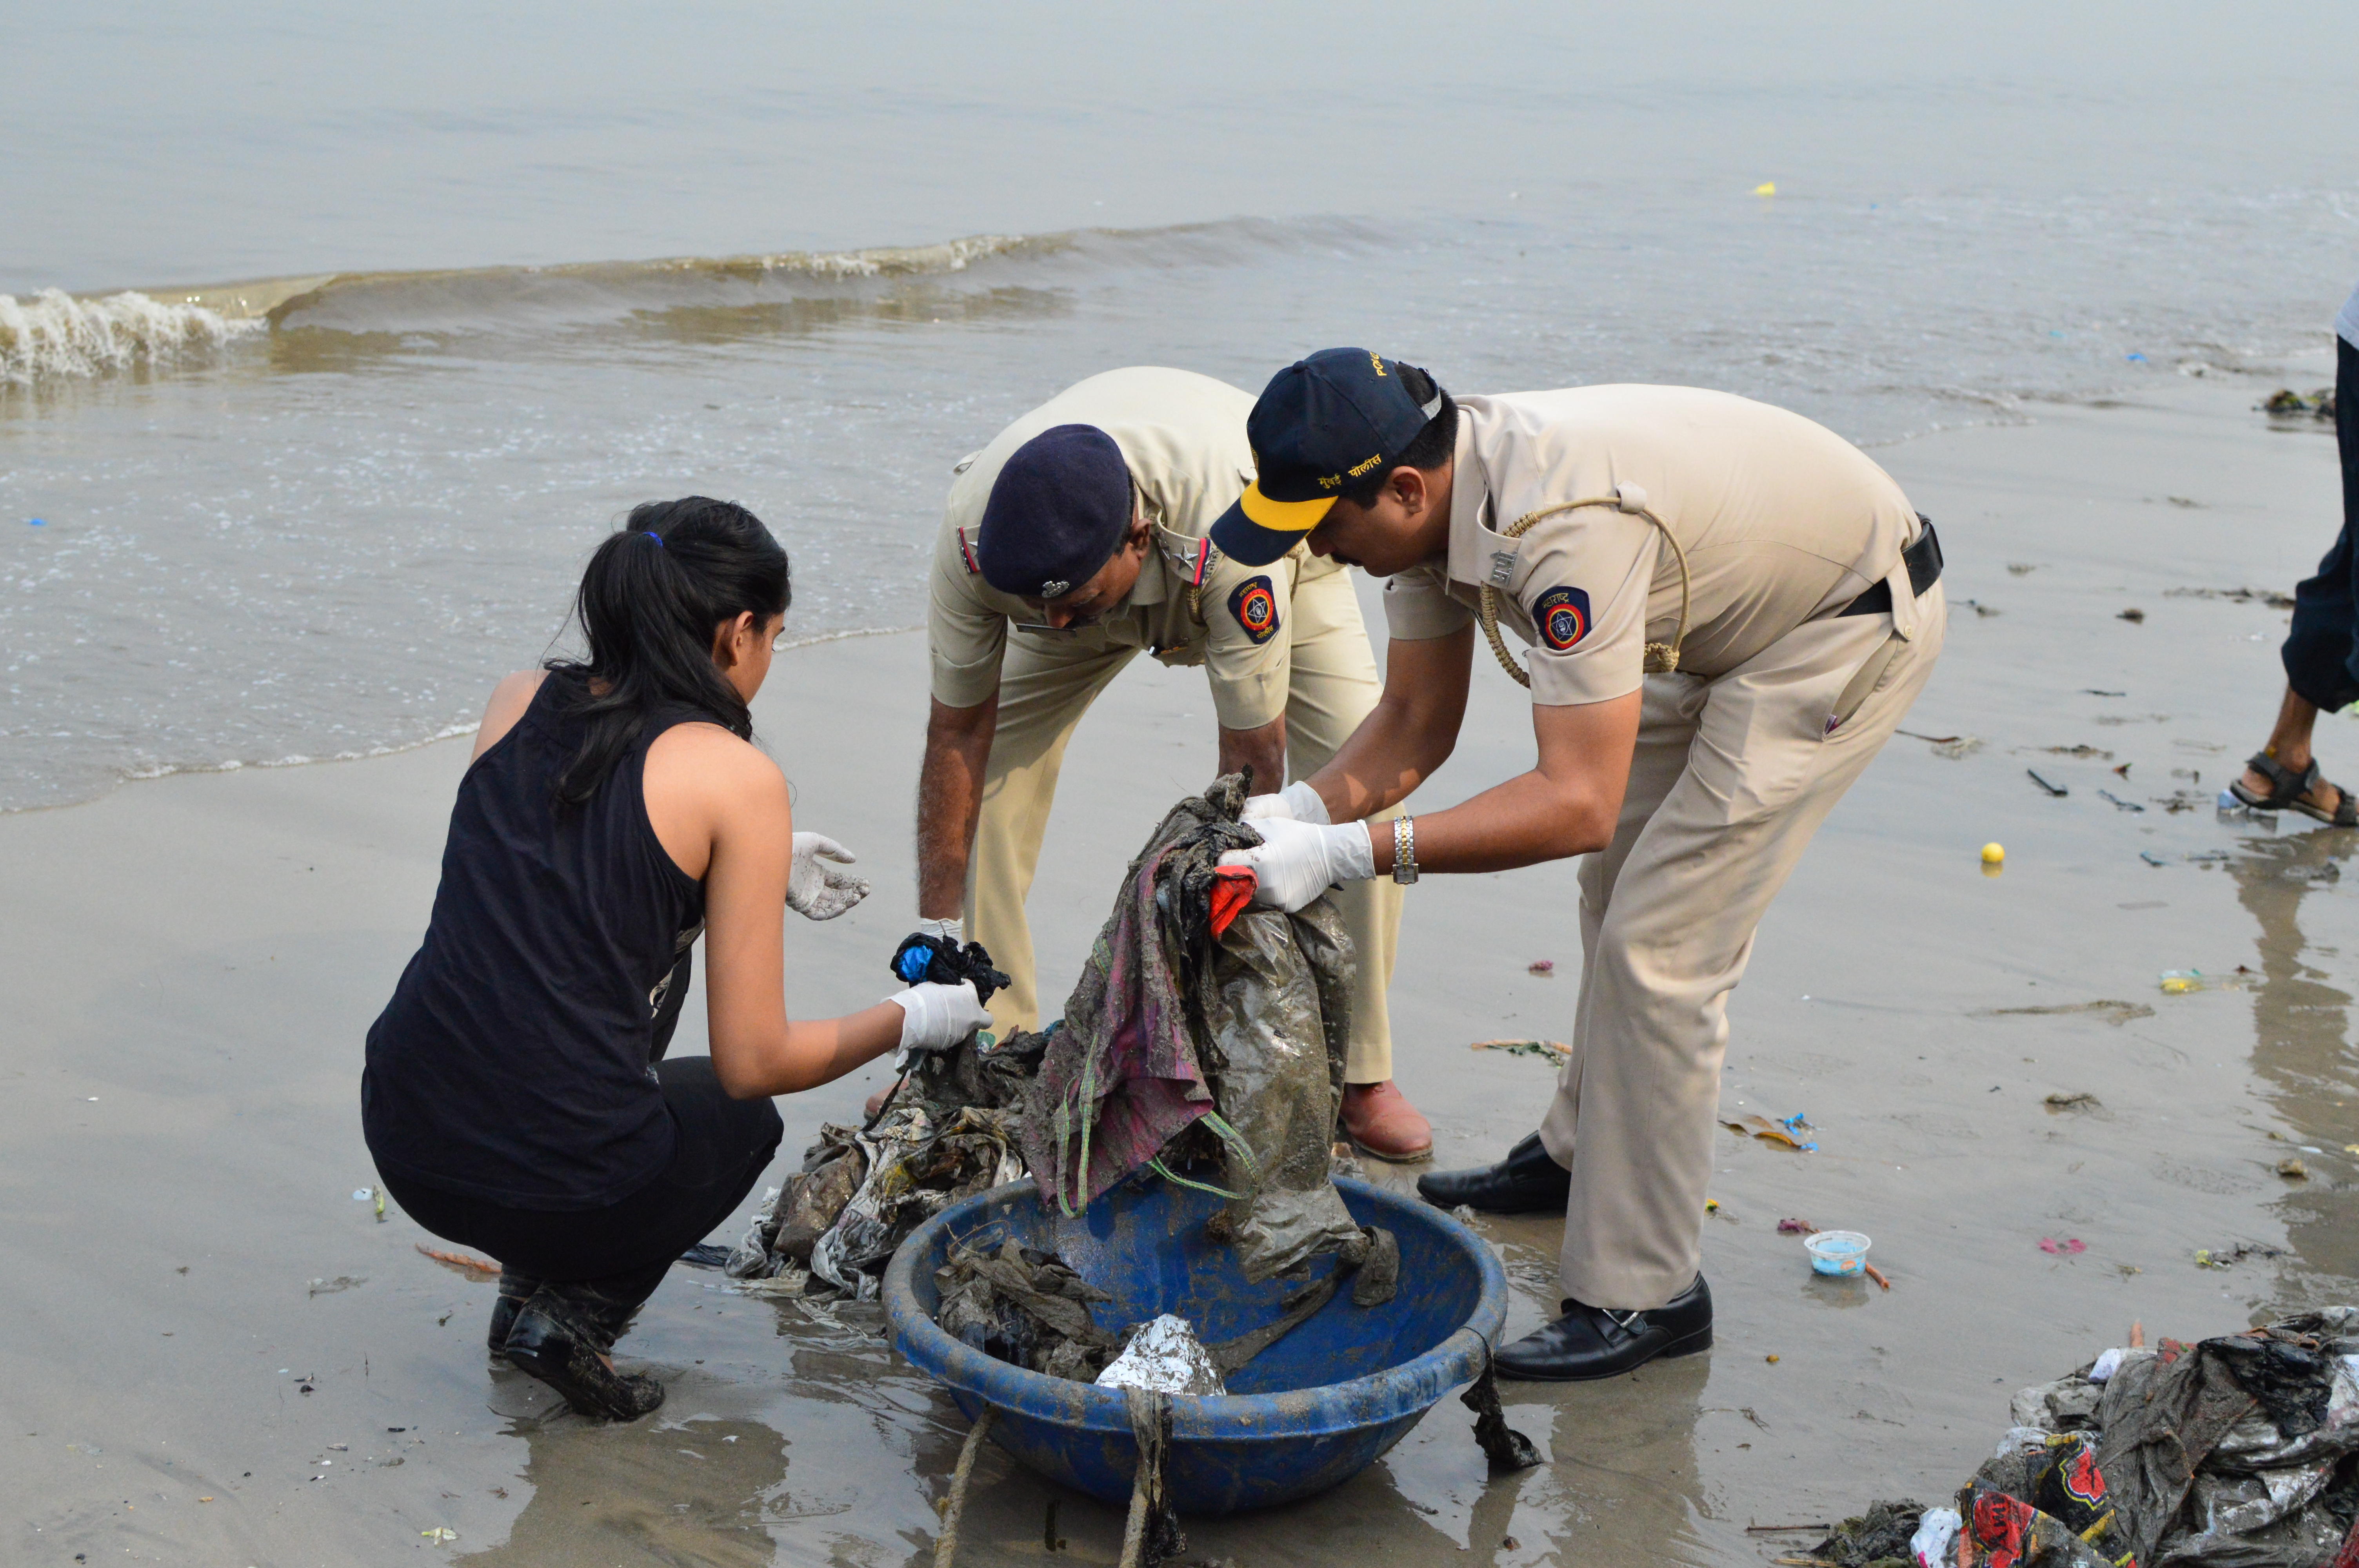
{"x": 2321, "y": 651}
{"x": 720, "y": 1149}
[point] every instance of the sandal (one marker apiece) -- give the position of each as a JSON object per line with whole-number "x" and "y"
{"x": 2288, "y": 791}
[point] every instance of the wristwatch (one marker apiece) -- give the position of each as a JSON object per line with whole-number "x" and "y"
{"x": 1404, "y": 851}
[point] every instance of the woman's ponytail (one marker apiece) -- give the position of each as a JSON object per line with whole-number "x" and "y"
{"x": 653, "y": 596}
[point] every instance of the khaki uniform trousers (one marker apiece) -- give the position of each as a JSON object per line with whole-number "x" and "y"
{"x": 1731, "y": 777}
{"x": 1043, "y": 692}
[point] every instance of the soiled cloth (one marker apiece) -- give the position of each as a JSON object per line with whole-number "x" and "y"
{"x": 1246, "y": 1033}
{"x": 1026, "y": 1307}
{"x": 1121, "y": 1078}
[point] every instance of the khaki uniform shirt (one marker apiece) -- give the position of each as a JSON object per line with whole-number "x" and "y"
{"x": 1183, "y": 436}
{"x": 1782, "y": 520}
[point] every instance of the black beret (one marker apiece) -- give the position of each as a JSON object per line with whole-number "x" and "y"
{"x": 1058, "y": 511}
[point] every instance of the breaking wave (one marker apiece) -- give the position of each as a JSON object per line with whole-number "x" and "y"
{"x": 58, "y": 335}
{"x": 531, "y": 299}
{"x": 53, "y": 334}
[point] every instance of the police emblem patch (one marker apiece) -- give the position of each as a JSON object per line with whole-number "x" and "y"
{"x": 1053, "y": 587}
{"x": 1561, "y": 614}
{"x": 1253, "y": 603}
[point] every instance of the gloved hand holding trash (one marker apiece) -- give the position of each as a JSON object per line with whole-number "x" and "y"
{"x": 816, "y": 890}
{"x": 1296, "y": 860}
{"x": 935, "y": 1017}
{"x": 1297, "y": 801}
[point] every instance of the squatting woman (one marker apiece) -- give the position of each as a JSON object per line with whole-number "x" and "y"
{"x": 518, "y": 1096}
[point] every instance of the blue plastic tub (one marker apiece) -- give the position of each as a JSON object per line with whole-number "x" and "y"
{"x": 1308, "y": 1413}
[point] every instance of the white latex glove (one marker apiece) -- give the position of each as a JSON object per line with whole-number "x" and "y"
{"x": 936, "y": 1017}
{"x": 818, "y": 892}
{"x": 953, "y": 931}
{"x": 1297, "y": 862}
{"x": 1298, "y": 802}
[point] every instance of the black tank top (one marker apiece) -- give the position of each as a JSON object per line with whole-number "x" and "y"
{"x": 513, "y": 1064}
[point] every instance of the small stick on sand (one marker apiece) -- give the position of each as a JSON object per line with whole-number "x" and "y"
{"x": 462, "y": 1261}
{"x": 1876, "y": 1274}
{"x": 1554, "y": 1048}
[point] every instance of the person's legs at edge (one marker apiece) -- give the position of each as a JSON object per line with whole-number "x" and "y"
{"x": 2321, "y": 648}
{"x": 1670, "y": 707}
{"x": 1675, "y": 933}
{"x": 1331, "y": 686}
{"x": 1042, "y": 696}
{"x": 1535, "y": 1177}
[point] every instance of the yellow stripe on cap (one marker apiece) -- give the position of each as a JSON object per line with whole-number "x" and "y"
{"x": 1283, "y": 516}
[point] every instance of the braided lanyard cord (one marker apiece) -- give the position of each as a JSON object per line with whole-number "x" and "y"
{"x": 1661, "y": 658}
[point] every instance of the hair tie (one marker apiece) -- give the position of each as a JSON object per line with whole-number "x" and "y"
{"x": 657, "y": 538}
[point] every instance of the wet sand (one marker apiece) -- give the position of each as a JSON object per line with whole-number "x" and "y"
{"x": 198, "y": 1309}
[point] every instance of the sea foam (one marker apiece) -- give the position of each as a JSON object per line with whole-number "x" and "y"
{"x": 53, "y": 334}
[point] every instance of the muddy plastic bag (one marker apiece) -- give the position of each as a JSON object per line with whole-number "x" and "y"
{"x": 2240, "y": 1452}
{"x": 861, "y": 1191}
{"x": 1027, "y": 1308}
{"x": 1879, "y": 1535}
{"x": 2274, "y": 1399}
{"x": 1279, "y": 1016}
{"x": 1244, "y": 1032}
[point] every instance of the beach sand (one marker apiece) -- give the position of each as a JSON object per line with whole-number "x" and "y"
{"x": 211, "y": 1353}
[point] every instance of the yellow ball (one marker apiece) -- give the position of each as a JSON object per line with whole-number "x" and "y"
{"x": 1992, "y": 854}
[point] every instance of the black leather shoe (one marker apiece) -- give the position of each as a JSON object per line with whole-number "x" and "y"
{"x": 556, "y": 1341}
{"x": 1594, "y": 1342}
{"x": 1527, "y": 1182}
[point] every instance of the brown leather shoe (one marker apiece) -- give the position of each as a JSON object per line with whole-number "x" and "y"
{"x": 1380, "y": 1121}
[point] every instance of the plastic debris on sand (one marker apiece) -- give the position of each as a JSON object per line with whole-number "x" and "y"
{"x": 2238, "y": 1451}
{"x": 1539, "y": 1050}
{"x": 1785, "y": 1134}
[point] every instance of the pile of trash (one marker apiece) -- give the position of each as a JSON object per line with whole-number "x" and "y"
{"x": 2240, "y": 1452}
{"x": 2287, "y": 404}
{"x": 946, "y": 1132}
{"x": 1204, "y": 1044}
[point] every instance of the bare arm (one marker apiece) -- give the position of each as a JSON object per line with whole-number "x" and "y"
{"x": 1566, "y": 805}
{"x": 949, "y": 801}
{"x": 720, "y": 809}
{"x": 1262, "y": 750}
{"x": 1410, "y": 732}
{"x": 509, "y": 699}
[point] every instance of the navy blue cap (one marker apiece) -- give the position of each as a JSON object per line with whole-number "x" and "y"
{"x": 1321, "y": 424}
{"x": 1058, "y": 511}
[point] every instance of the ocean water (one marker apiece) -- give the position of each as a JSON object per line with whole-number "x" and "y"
{"x": 332, "y": 344}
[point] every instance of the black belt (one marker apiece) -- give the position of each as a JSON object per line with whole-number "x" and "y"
{"x": 1924, "y": 558}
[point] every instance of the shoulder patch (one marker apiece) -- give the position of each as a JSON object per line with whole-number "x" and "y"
{"x": 1562, "y": 616}
{"x": 966, "y": 553}
{"x": 1253, "y": 603}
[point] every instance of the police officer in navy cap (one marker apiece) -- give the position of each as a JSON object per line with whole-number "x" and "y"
{"x": 1727, "y": 610}
{"x": 1075, "y": 541}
